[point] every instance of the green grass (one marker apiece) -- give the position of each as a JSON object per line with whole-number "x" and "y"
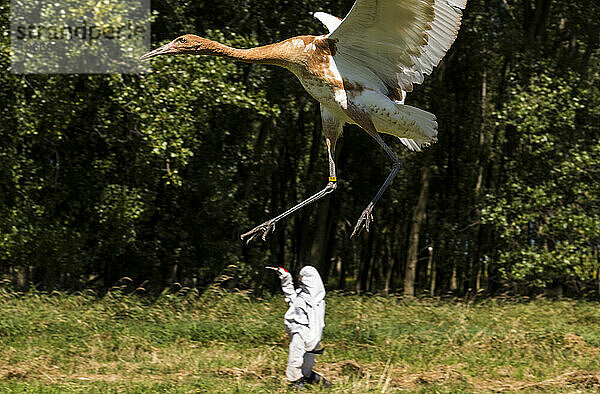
{"x": 182, "y": 343}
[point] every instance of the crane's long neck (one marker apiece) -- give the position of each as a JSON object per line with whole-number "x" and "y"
{"x": 275, "y": 54}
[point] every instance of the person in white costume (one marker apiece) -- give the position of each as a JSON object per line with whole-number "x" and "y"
{"x": 304, "y": 322}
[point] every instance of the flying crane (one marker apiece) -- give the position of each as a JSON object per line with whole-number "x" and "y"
{"x": 360, "y": 72}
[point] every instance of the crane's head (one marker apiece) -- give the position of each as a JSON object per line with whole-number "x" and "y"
{"x": 187, "y": 43}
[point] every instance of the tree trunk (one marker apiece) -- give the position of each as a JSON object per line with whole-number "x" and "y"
{"x": 454, "y": 278}
{"x": 341, "y": 268}
{"x": 366, "y": 254}
{"x": 390, "y": 262}
{"x": 415, "y": 233}
{"x": 481, "y": 163}
{"x": 432, "y": 278}
{"x": 431, "y": 271}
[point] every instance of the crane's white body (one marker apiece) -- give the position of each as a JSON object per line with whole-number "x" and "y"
{"x": 353, "y": 91}
{"x": 384, "y": 45}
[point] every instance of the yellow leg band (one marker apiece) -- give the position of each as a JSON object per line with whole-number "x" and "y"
{"x": 332, "y": 179}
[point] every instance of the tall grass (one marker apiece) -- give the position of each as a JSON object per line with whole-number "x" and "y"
{"x": 224, "y": 342}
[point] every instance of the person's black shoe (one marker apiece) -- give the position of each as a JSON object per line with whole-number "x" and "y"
{"x": 299, "y": 384}
{"x": 315, "y": 378}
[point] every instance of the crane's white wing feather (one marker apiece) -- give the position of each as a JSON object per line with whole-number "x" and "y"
{"x": 399, "y": 40}
{"x": 331, "y": 22}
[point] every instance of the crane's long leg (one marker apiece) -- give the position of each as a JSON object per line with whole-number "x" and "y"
{"x": 367, "y": 216}
{"x": 269, "y": 225}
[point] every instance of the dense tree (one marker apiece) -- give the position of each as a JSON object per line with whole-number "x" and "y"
{"x": 154, "y": 176}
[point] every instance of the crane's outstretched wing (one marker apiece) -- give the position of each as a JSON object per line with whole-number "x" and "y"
{"x": 399, "y": 40}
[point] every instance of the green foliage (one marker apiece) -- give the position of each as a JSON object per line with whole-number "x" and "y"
{"x": 154, "y": 176}
{"x": 547, "y": 216}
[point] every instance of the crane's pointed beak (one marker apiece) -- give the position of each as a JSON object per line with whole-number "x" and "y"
{"x": 167, "y": 48}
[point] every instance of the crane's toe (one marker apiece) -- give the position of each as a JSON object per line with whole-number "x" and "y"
{"x": 265, "y": 228}
{"x": 365, "y": 220}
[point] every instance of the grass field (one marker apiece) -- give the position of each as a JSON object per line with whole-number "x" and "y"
{"x": 54, "y": 343}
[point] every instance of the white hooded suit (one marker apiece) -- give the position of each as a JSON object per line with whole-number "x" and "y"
{"x": 304, "y": 320}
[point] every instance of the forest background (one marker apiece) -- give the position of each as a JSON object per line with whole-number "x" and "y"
{"x": 154, "y": 177}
